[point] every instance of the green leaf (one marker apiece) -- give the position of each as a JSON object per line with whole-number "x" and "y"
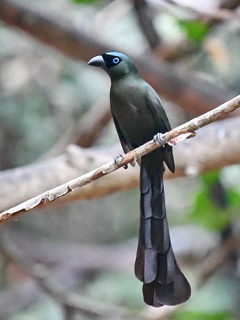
{"x": 215, "y": 300}
{"x": 195, "y": 315}
{"x": 211, "y": 177}
{"x": 195, "y": 30}
{"x": 117, "y": 288}
{"x": 233, "y": 198}
{"x": 209, "y": 214}
{"x": 206, "y": 210}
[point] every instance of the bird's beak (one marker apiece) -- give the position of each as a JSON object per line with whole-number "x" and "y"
{"x": 97, "y": 61}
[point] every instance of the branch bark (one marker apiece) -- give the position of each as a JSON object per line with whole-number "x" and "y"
{"x": 189, "y": 92}
{"x": 192, "y": 157}
{"x": 62, "y": 190}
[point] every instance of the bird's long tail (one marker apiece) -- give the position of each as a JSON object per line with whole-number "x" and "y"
{"x": 155, "y": 266}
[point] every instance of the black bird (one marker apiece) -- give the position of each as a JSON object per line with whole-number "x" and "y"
{"x": 138, "y": 116}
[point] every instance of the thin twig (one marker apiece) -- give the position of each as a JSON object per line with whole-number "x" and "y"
{"x": 217, "y": 259}
{"x": 184, "y": 129}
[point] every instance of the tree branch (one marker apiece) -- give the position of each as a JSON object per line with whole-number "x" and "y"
{"x": 192, "y": 158}
{"x": 185, "y": 90}
{"x": 144, "y": 15}
{"x": 185, "y": 129}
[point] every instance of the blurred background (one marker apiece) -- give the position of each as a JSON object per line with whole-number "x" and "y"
{"x": 74, "y": 259}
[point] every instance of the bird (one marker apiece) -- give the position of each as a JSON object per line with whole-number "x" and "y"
{"x": 139, "y": 116}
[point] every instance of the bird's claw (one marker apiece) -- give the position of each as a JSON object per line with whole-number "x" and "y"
{"x": 118, "y": 159}
{"x": 158, "y": 138}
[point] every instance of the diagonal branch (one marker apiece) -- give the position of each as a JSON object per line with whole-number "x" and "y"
{"x": 192, "y": 158}
{"x": 185, "y": 129}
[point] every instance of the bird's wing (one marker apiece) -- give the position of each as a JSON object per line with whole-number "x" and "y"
{"x": 159, "y": 114}
{"x": 126, "y": 147}
{"x": 155, "y": 106}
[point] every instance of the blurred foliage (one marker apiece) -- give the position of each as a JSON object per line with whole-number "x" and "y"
{"x": 46, "y": 95}
{"x": 214, "y": 214}
{"x": 42, "y": 93}
{"x": 195, "y": 30}
{"x": 215, "y": 300}
{"x": 117, "y": 288}
{"x": 45, "y": 309}
{"x": 194, "y": 315}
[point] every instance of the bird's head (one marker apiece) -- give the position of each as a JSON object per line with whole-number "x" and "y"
{"x": 116, "y": 64}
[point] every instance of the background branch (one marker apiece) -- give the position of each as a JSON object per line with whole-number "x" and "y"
{"x": 186, "y": 48}
{"x": 217, "y": 258}
{"x": 186, "y": 90}
{"x": 144, "y": 14}
{"x": 85, "y": 132}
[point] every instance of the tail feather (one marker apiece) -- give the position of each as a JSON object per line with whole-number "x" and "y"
{"x": 144, "y": 231}
{"x": 156, "y": 266}
{"x": 146, "y": 264}
{"x": 158, "y": 207}
{"x": 167, "y": 267}
{"x": 160, "y": 235}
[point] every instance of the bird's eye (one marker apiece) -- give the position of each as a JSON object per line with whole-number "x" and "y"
{"x": 116, "y": 60}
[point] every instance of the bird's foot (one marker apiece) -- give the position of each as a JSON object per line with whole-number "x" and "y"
{"x": 158, "y": 138}
{"x": 118, "y": 159}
